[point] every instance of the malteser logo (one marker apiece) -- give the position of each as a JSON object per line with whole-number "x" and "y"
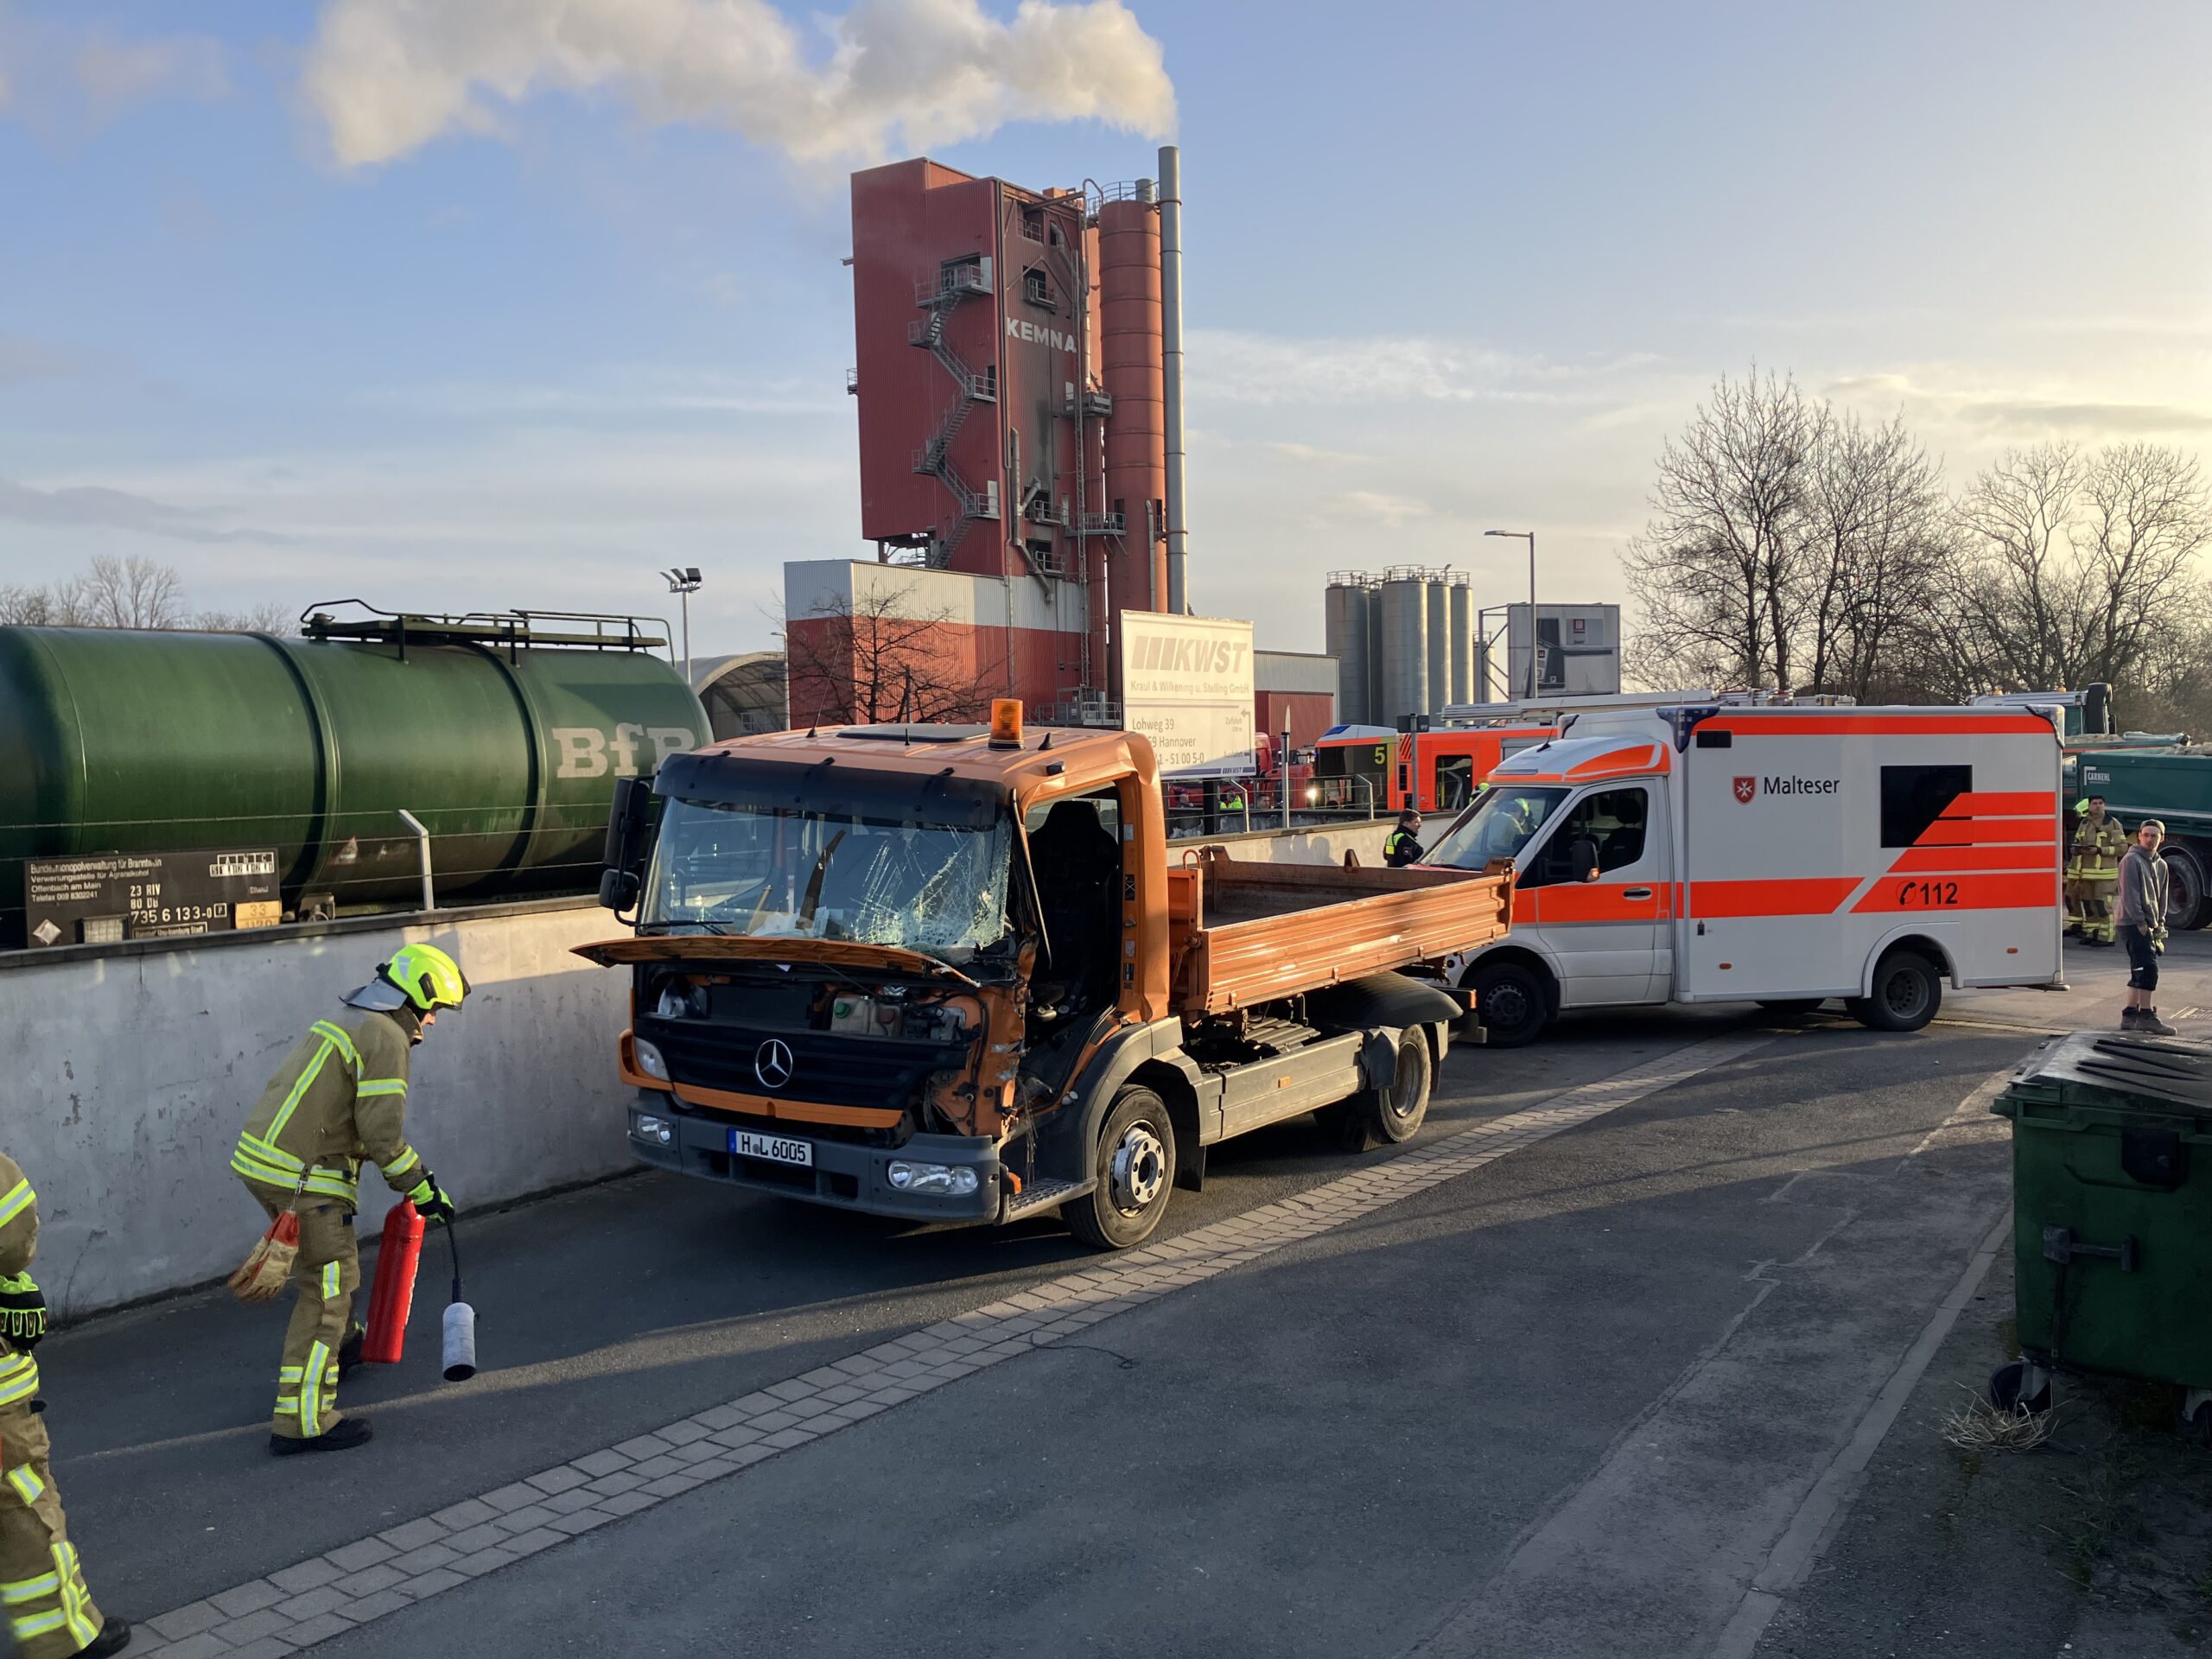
{"x": 1745, "y": 789}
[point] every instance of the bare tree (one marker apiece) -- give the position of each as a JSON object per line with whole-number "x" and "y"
{"x": 1876, "y": 544}
{"x": 265, "y": 618}
{"x": 2078, "y": 568}
{"x": 1719, "y": 572}
{"x": 873, "y": 658}
{"x": 133, "y": 593}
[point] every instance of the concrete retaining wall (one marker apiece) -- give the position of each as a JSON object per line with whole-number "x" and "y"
{"x": 129, "y": 1070}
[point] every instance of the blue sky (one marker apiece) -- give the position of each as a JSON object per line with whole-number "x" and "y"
{"x": 563, "y": 305}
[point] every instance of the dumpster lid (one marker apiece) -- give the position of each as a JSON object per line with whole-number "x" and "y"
{"x": 2145, "y": 1068}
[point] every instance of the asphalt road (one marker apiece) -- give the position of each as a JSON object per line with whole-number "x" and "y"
{"x": 1568, "y": 1403}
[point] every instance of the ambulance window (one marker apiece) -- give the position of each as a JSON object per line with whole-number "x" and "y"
{"x": 1913, "y": 797}
{"x": 1455, "y": 781}
{"x": 1604, "y": 831}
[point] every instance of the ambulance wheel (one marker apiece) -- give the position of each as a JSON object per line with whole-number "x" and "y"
{"x": 1512, "y": 1002}
{"x": 1135, "y": 1168}
{"x": 1906, "y": 992}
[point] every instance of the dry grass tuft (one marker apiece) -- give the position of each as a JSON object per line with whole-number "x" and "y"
{"x": 1979, "y": 1427}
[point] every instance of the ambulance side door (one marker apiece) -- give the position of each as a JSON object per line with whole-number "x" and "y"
{"x": 1608, "y": 935}
{"x": 1767, "y": 865}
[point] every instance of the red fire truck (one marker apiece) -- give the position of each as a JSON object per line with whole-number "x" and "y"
{"x": 1435, "y": 771}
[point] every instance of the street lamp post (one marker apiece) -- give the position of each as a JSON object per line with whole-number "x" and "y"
{"x": 685, "y": 581}
{"x": 1529, "y": 537}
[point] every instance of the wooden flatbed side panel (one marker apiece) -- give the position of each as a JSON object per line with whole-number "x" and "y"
{"x": 1244, "y": 963}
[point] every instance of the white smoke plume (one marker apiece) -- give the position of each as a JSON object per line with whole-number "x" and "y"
{"x": 388, "y": 76}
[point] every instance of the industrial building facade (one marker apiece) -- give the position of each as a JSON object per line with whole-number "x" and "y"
{"x": 1011, "y": 369}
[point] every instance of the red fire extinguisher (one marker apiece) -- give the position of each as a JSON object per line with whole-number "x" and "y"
{"x": 394, "y": 1295}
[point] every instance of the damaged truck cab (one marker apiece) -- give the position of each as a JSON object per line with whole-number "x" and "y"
{"x": 947, "y": 973}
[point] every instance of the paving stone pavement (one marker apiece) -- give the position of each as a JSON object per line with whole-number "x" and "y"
{"x": 355, "y": 1583}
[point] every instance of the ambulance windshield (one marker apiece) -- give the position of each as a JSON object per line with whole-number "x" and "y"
{"x": 1502, "y": 821}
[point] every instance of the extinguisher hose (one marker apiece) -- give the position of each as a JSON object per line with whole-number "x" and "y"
{"x": 453, "y": 1251}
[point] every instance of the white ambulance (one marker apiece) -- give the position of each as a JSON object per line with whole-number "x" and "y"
{"x": 1710, "y": 852}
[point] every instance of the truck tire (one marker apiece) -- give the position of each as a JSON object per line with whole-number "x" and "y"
{"x": 1394, "y": 1116}
{"x": 2186, "y": 905}
{"x": 1907, "y": 991}
{"x": 1134, "y": 1164}
{"x": 1512, "y": 1002}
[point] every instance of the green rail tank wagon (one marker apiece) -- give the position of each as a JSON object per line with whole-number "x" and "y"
{"x": 502, "y": 735}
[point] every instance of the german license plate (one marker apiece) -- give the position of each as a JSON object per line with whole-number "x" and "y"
{"x": 773, "y": 1148}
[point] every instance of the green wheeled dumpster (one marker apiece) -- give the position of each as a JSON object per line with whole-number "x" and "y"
{"x": 2111, "y": 1195}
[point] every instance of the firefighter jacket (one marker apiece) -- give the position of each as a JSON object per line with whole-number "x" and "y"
{"x": 2097, "y": 849}
{"x": 340, "y": 1097}
{"x": 18, "y": 1244}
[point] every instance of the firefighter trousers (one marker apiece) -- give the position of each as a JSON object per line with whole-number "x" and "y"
{"x": 2097, "y": 892}
{"x": 49, "y": 1609}
{"x": 326, "y": 1276}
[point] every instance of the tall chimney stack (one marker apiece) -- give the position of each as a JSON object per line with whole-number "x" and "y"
{"x": 1171, "y": 320}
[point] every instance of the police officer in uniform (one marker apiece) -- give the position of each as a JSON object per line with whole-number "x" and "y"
{"x": 1403, "y": 846}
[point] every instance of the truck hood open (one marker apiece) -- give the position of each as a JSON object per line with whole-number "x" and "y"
{"x": 715, "y": 947}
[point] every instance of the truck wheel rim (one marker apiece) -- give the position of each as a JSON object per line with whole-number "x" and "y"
{"x": 1138, "y": 1168}
{"x": 1405, "y": 1088}
{"x": 1904, "y": 995}
{"x": 1509, "y": 1003}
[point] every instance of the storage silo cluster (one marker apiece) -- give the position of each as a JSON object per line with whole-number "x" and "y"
{"x": 1404, "y": 641}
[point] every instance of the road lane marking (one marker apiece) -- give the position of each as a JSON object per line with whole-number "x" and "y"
{"x": 312, "y": 1600}
{"x": 1821, "y": 1514}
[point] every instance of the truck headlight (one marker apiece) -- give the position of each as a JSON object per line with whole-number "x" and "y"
{"x": 653, "y": 1131}
{"x": 956, "y": 1180}
{"x": 649, "y": 1059}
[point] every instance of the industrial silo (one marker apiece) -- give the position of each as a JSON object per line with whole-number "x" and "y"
{"x": 1405, "y": 647}
{"x": 1378, "y": 712}
{"x": 1344, "y": 619}
{"x": 1440, "y": 640}
{"x": 1462, "y": 652}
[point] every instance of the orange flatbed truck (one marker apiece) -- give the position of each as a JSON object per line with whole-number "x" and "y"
{"x": 952, "y": 973}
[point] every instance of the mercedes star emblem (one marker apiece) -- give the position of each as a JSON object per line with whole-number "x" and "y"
{"x": 772, "y": 1063}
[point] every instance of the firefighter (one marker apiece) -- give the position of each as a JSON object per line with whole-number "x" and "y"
{"x": 2071, "y": 882}
{"x": 41, "y": 1583}
{"x": 340, "y": 1097}
{"x": 1403, "y": 847}
{"x": 2098, "y": 842}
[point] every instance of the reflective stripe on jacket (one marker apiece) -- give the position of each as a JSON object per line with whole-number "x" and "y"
{"x": 18, "y": 1244}
{"x": 2097, "y": 849}
{"x": 340, "y": 1097}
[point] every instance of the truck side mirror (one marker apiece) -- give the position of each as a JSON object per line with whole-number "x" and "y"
{"x": 629, "y": 840}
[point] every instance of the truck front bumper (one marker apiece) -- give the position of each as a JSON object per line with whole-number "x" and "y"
{"x": 843, "y": 1175}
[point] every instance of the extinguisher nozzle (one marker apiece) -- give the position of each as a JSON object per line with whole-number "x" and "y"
{"x": 461, "y": 1341}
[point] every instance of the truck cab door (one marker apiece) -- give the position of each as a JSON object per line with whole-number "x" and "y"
{"x": 1608, "y": 935}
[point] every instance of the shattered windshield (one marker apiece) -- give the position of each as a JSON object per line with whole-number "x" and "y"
{"x": 1501, "y": 822}
{"x": 778, "y": 873}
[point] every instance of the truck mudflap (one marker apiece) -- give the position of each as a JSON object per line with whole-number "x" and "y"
{"x": 947, "y": 1177}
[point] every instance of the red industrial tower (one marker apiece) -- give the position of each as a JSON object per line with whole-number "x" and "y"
{"x": 1014, "y": 419}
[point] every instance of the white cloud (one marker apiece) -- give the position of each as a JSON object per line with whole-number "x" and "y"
{"x": 1235, "y": 366}
{"x": 1373, "y": 507}
{"x": 2012, "y": 413}
{"x": 65, "y": 81}
{"x": 388, "y": 76}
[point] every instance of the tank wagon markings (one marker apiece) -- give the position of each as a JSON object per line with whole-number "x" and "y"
{"x": 498, "y": 1528}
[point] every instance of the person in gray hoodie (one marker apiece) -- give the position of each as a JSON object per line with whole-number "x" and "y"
{"x": 2140, "y": 918}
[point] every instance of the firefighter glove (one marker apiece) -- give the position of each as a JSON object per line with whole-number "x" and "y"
{"x": 23, "y": 1310}
{"x": 429, "y": 1198}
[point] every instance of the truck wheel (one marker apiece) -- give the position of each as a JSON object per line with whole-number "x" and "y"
{"x": 2185, "y": 895}
{"x": 1395, "y": 1115}
{"x": 1907, "y": 992}
{"x": 1135, "y": 1168}
{"x": 1510, "y": 1002}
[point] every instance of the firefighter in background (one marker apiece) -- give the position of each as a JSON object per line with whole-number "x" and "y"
{"x": 340, "y": 1097}
{"x": 2070, "y": 883}
{"x": 1403, "y": 845}
{"x": 50, "y": 1612}
{"x": 2098, "y": 842}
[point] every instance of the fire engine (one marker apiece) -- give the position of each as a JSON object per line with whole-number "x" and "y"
{"x": 1708, "y": 851}
{"x": 1436, "y": 769}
